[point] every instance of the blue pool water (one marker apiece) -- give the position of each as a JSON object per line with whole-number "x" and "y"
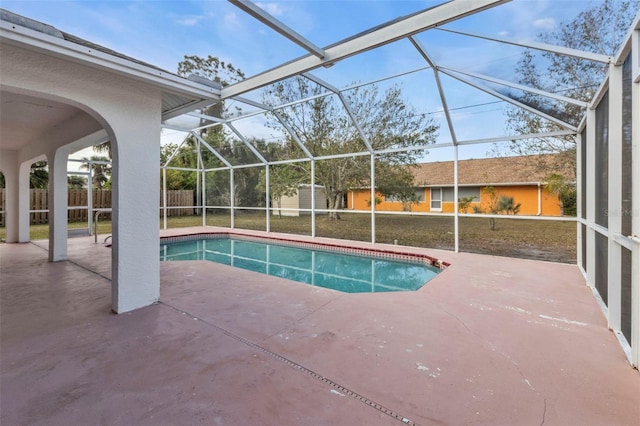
{"x": 338, "y": 271}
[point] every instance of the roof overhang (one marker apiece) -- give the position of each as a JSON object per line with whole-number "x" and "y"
{"x": 179, "y": 95}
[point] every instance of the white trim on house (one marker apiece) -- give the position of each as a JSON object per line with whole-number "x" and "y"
{"x": 432, "y": 199}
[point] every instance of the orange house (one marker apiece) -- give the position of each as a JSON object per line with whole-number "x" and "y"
{"x": 511, "y": 176}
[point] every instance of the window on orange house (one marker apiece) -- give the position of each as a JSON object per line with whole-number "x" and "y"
{"x": 419, "y": 193}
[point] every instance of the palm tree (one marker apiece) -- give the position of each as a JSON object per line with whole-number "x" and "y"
{"x": 104, "y": 148}
{"x": 100, "y": 169}
{"x": 38, "y": 176}
{"x": 76, "y": 182}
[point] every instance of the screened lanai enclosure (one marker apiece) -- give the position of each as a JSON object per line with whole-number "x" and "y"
{"x": 308, "y": 123}
{"x": 605, "y": 140}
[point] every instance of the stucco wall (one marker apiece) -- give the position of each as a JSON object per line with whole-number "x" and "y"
{"x": 129, "y": 111}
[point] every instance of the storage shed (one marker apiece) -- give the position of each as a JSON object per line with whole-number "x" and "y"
{"x": 299, "y": 204}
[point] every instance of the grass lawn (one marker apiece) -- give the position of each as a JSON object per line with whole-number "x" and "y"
{"x": 530, "y": 239}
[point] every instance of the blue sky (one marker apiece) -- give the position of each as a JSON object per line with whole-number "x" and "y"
{"x": 161, "y": 32}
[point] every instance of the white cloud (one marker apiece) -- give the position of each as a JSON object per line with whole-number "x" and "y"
{"x": 190, "y": 21}
{"x": 545, "y": 23}
{"x": 231, "y": 19}
{"x": 271, "y": 8}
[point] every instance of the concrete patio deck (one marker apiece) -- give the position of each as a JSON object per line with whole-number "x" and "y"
{"x": 489, "y": 341}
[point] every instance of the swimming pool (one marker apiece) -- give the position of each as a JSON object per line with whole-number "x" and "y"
{"x": 341, "y": 269}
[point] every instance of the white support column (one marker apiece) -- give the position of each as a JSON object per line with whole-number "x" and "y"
{"x": 373, "y": 199}
{"x": 204, "y": 197}
{"x": 232, "y": 196}
{"x": 136, "y": 191}
{"x": 267, "y": 197}
{"x": 456, "y": 214}
{"x": 164, "y": 198}
{"x": 24, "y": 195}
{"x": 58, "y": 204}
{"x": 580, "y": 194}
{"x": 10, "y": 169}
{"x": 614, "y": 279}
{"x": 313, "y": 199}
{"x": 591, "y": 202}
{"x": 635, "y": 167}
{"x": 90, "y": 198}
{"x": 198, "y": 168}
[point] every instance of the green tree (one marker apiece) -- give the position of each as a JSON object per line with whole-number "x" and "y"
{"x": 212, "y": 68}
{"x": 100, "y": 170}
{"x": 376, "y": 200}
{"x": 76, "y": 182}
{"x": 464, "y": 203}
{"x": 184, "y": 157}
{"x": 498, "y": 204}
{"x": 38, "y": 176}
{"x": 325, "y": 128}
{"x": 599, "y": 29}
{"x": 397, "y": 182}
{"x": 104, "y": 148}
{"x": 284, "y": 180}
{"x": 507, "y": 205}
{"x": 556, "y": 184}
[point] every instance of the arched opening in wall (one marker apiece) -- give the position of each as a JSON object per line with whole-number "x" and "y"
{"x": 36, "y": 179}
{"x": 38, "y": 170}
{"x": 89, "y": 189}
{"x": 37, "y": 134}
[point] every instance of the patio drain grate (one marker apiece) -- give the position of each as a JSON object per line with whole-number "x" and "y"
{"x": 302, "y": 368}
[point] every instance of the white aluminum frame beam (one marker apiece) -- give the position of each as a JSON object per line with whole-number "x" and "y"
{"x": 510, "y": 100}
{"x": 295, "y": 137}
{"x": 519, "y": 87}
{"x": 175, "y": 152}
{"x": 420, "y": 48}
{"x": 546, "y": 47}
{"x": 176, "y": 128}
{"x": 278, "y": 26}
{"x": 389, "y": 77}
{"x": 635, "y": 230}
{"x": 246, "y": 142}
{"x": 207, "y": 117}
{"x": 262, "y": 106}
{"x": 403, "y": 28}
{"x": 518, "y": 137}
{"x": 454, "y": 140}
{"x": 346, "y": 106}
{"x": 272, "y": 110}
{"x": 213, "y": 151}
{"x": 627, "y": 44}
{"x": 253, "y": 103}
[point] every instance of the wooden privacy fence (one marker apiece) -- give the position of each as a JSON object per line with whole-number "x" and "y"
{"x": 39, "y": 201}
{"x": 177, "y": 198}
